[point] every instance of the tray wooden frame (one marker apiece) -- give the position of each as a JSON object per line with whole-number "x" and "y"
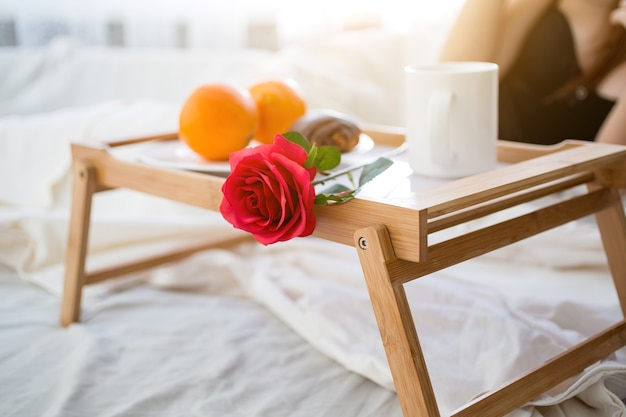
{"x": 391, "y": 238}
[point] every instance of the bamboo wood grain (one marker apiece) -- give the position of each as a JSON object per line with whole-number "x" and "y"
{"x": 385, "y": 135}
{"x": 391, "y": 238}
{"x": 395, "y": 323}
{"x": 613, "y": 176}
{"x": 568, "y": 364}
{"x": 505, "y": 202}
{"x": 612, "y": 225}
{"x": 469, "y": 191}
{"x": 509, "y": 152}
{"x": 336, "y": 222}
{"x": 487, "y": 239}
{"x": 514, "y": 152}
{"x": 131, "y": 141}
{"x": 187, "y": 187}
{"x": 84, "y": 186}
{"x": 407, "y": 227}
{"x": 150, "y": 262}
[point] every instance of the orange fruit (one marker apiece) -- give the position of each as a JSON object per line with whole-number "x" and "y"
{"x": 279, "y": 103}
{"x": 217, "y": 119}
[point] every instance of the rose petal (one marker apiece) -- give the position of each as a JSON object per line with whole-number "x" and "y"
{"x": 269, "y": 192}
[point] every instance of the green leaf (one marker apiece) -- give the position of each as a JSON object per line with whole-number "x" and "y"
{"x": 350, "y": 178}
{"x": 328, "y": 157}
{"x": 312, "y": 157}
{"x": 371, "y": 171}
{"x": 327, "y": 199}
{"x": 336, "y": 189}
{"x": 298, "y": 139}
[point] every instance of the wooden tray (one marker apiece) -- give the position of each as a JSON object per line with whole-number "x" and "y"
{"x": 392, "y": 240}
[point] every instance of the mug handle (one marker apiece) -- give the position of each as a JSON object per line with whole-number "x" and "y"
{"x": 439, "y": 127}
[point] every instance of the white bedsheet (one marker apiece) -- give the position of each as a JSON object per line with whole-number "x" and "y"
{"x": 475, "y": 334}
{"x": 148, "y": 352}
{"x": 193, "y": 335}
{"x": 197, "y": 337}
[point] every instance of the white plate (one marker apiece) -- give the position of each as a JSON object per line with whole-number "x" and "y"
{"x": 175, "y": 154}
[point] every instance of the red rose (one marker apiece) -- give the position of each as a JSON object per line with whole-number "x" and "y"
{"x": 269, "y": 192}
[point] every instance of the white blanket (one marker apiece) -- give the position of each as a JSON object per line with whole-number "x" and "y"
{"x": 474, "y": 336}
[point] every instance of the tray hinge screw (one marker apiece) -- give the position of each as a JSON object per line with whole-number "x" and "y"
{"x": 363, "y": 243}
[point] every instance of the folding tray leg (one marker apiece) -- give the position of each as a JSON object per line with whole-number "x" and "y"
{"x": 84, "y": 187}
{"x": 406, "y": 360}
{"x": 395, "y": 322}
{"x": 612, "y": 225}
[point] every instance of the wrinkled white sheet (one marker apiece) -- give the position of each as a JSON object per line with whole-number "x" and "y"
{"x": 476, "y": 334}
{"x": 192, "y": 336}
{"x": 148, "y": 352}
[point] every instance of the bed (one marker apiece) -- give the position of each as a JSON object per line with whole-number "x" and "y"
{"x": 284, "y": 330}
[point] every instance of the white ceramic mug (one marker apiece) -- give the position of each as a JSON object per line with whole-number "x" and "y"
{"x": 452, "y": 118}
